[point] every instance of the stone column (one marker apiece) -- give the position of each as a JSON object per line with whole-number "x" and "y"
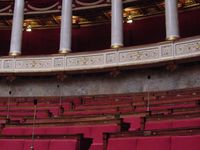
{"x": 66, "y": 27}
{"x": 17, "y": 28}
{"x": 117, "y": 24}
{"x": 171, "y": 19}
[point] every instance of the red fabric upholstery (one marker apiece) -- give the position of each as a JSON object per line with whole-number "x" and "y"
{"x": 98, "y": 130}
{"x": 153, "y": 143}
{"x": 186, "y": 123}
{"x": 158, "y": 125}
{"x": 135, "y": 122}
{"x": 96, "y": 146}
{"x": 25, "y": 114}
{"x": 86, "y": 130}
{"x": 13, "y": 131}
{"x": 122, "y": 144}
{"x": 91, "y": 112}
{"x": 11, "y": 144}
{"x": 38, "y": 144}
{"x": 185, "y": 142}
{"x": 169, "y": 124}
{"x": 57, "y": 130}
{"x": 65, "y": 144}
{"x": 90, "y": 131}
{"x": 140, "y": 109}
{"x": 38, "y": 130}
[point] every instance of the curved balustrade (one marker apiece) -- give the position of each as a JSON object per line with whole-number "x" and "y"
{"x": 129, "y": 56}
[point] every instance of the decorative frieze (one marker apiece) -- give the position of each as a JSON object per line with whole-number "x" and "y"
{"x": 85, "y": 61}
{"x": 134, "y": 56}
{"x": 31, "y": 8}
{"x": 111, "y": 58}
{"x": 167, "y": 51}
{"x": 187, "y": 48}
{"x": 8, "y": 64}
{"x": 59, "y": 62}
{"x": 26, "y": 64}
{"x": 130, "y": 56}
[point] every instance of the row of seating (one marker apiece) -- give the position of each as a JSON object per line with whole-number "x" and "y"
{"x": 155, "y": 143}
{"x": 69, "y": 142}
{"x": 92, "y": 116}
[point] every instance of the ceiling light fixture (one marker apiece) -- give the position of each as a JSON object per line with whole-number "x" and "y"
{"x": 29, "y": 28}
{"x": 129, "y": 19}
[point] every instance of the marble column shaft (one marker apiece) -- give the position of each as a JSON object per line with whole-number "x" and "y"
{"x": 117, "y": 24}
{"x": 171, "y": 19}
{"x": 66, "y": 27}
{"x": 17, "y": 28}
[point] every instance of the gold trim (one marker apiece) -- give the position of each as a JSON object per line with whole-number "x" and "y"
{"x": 172, "y": 38}
{"x": 14, "y": 53}
{"x": 116, "y": 46}
{"x": 64, "y": 51}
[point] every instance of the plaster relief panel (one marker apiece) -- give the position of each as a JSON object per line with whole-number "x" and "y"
{"x": 90, "y": 60}
{"x": 166, "y": 51}
{"x": 187, "y": 48}
{"x": 8, "y": 64}
{"x": 139, "y": 55}
{"x": 28, "y": 64}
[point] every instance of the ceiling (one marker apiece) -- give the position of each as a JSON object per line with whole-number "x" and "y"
{"x": 46, "y": 13}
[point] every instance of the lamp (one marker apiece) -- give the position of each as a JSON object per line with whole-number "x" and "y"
{"x": 29, "y": 28}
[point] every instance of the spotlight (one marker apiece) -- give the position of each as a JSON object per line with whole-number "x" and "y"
{"x": 129, "y": 21}
{"x": 29, "y": 28}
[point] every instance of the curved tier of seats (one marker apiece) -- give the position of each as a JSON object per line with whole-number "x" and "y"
{"x": 135, "y": 121}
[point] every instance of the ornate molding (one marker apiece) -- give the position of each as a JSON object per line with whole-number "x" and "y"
{"x": 130, "y": 56}
{"x": 30, "y": 8}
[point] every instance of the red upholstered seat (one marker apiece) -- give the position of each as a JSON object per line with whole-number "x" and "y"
{"x": 186, "y": 123}
{"x": 86, "y": 130}
{"x": 56, "y": 130}
{"x": 169, "y": 124}
{"x": 122, "y": 144}
{"x": 13, "y": 131}
{"x": 158, "y": 125}
{"x": 140, "y": 109}
{"x": 96, "y": 146}
{"x": 91, "y": 112}
{"x": 25, "y": 114}
{"x": 38, "y": 130}
{"x": 153, "y": 143}
{"x": 185, "y": 142}
{"x": 135, "y": 122}
{"x": 63, "y": 144}
{"x": 11, "y": 144}
{"x": 38, "y": 144}
{"x": 173, "y": 106}
{"x": 98, "y": 130}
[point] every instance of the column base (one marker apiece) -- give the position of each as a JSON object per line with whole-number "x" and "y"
{"x": 116, "y": 46}
{"x": 64, "y": 51}
{"x": 14, "y": 53}
{"x": 172, "y": 38}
